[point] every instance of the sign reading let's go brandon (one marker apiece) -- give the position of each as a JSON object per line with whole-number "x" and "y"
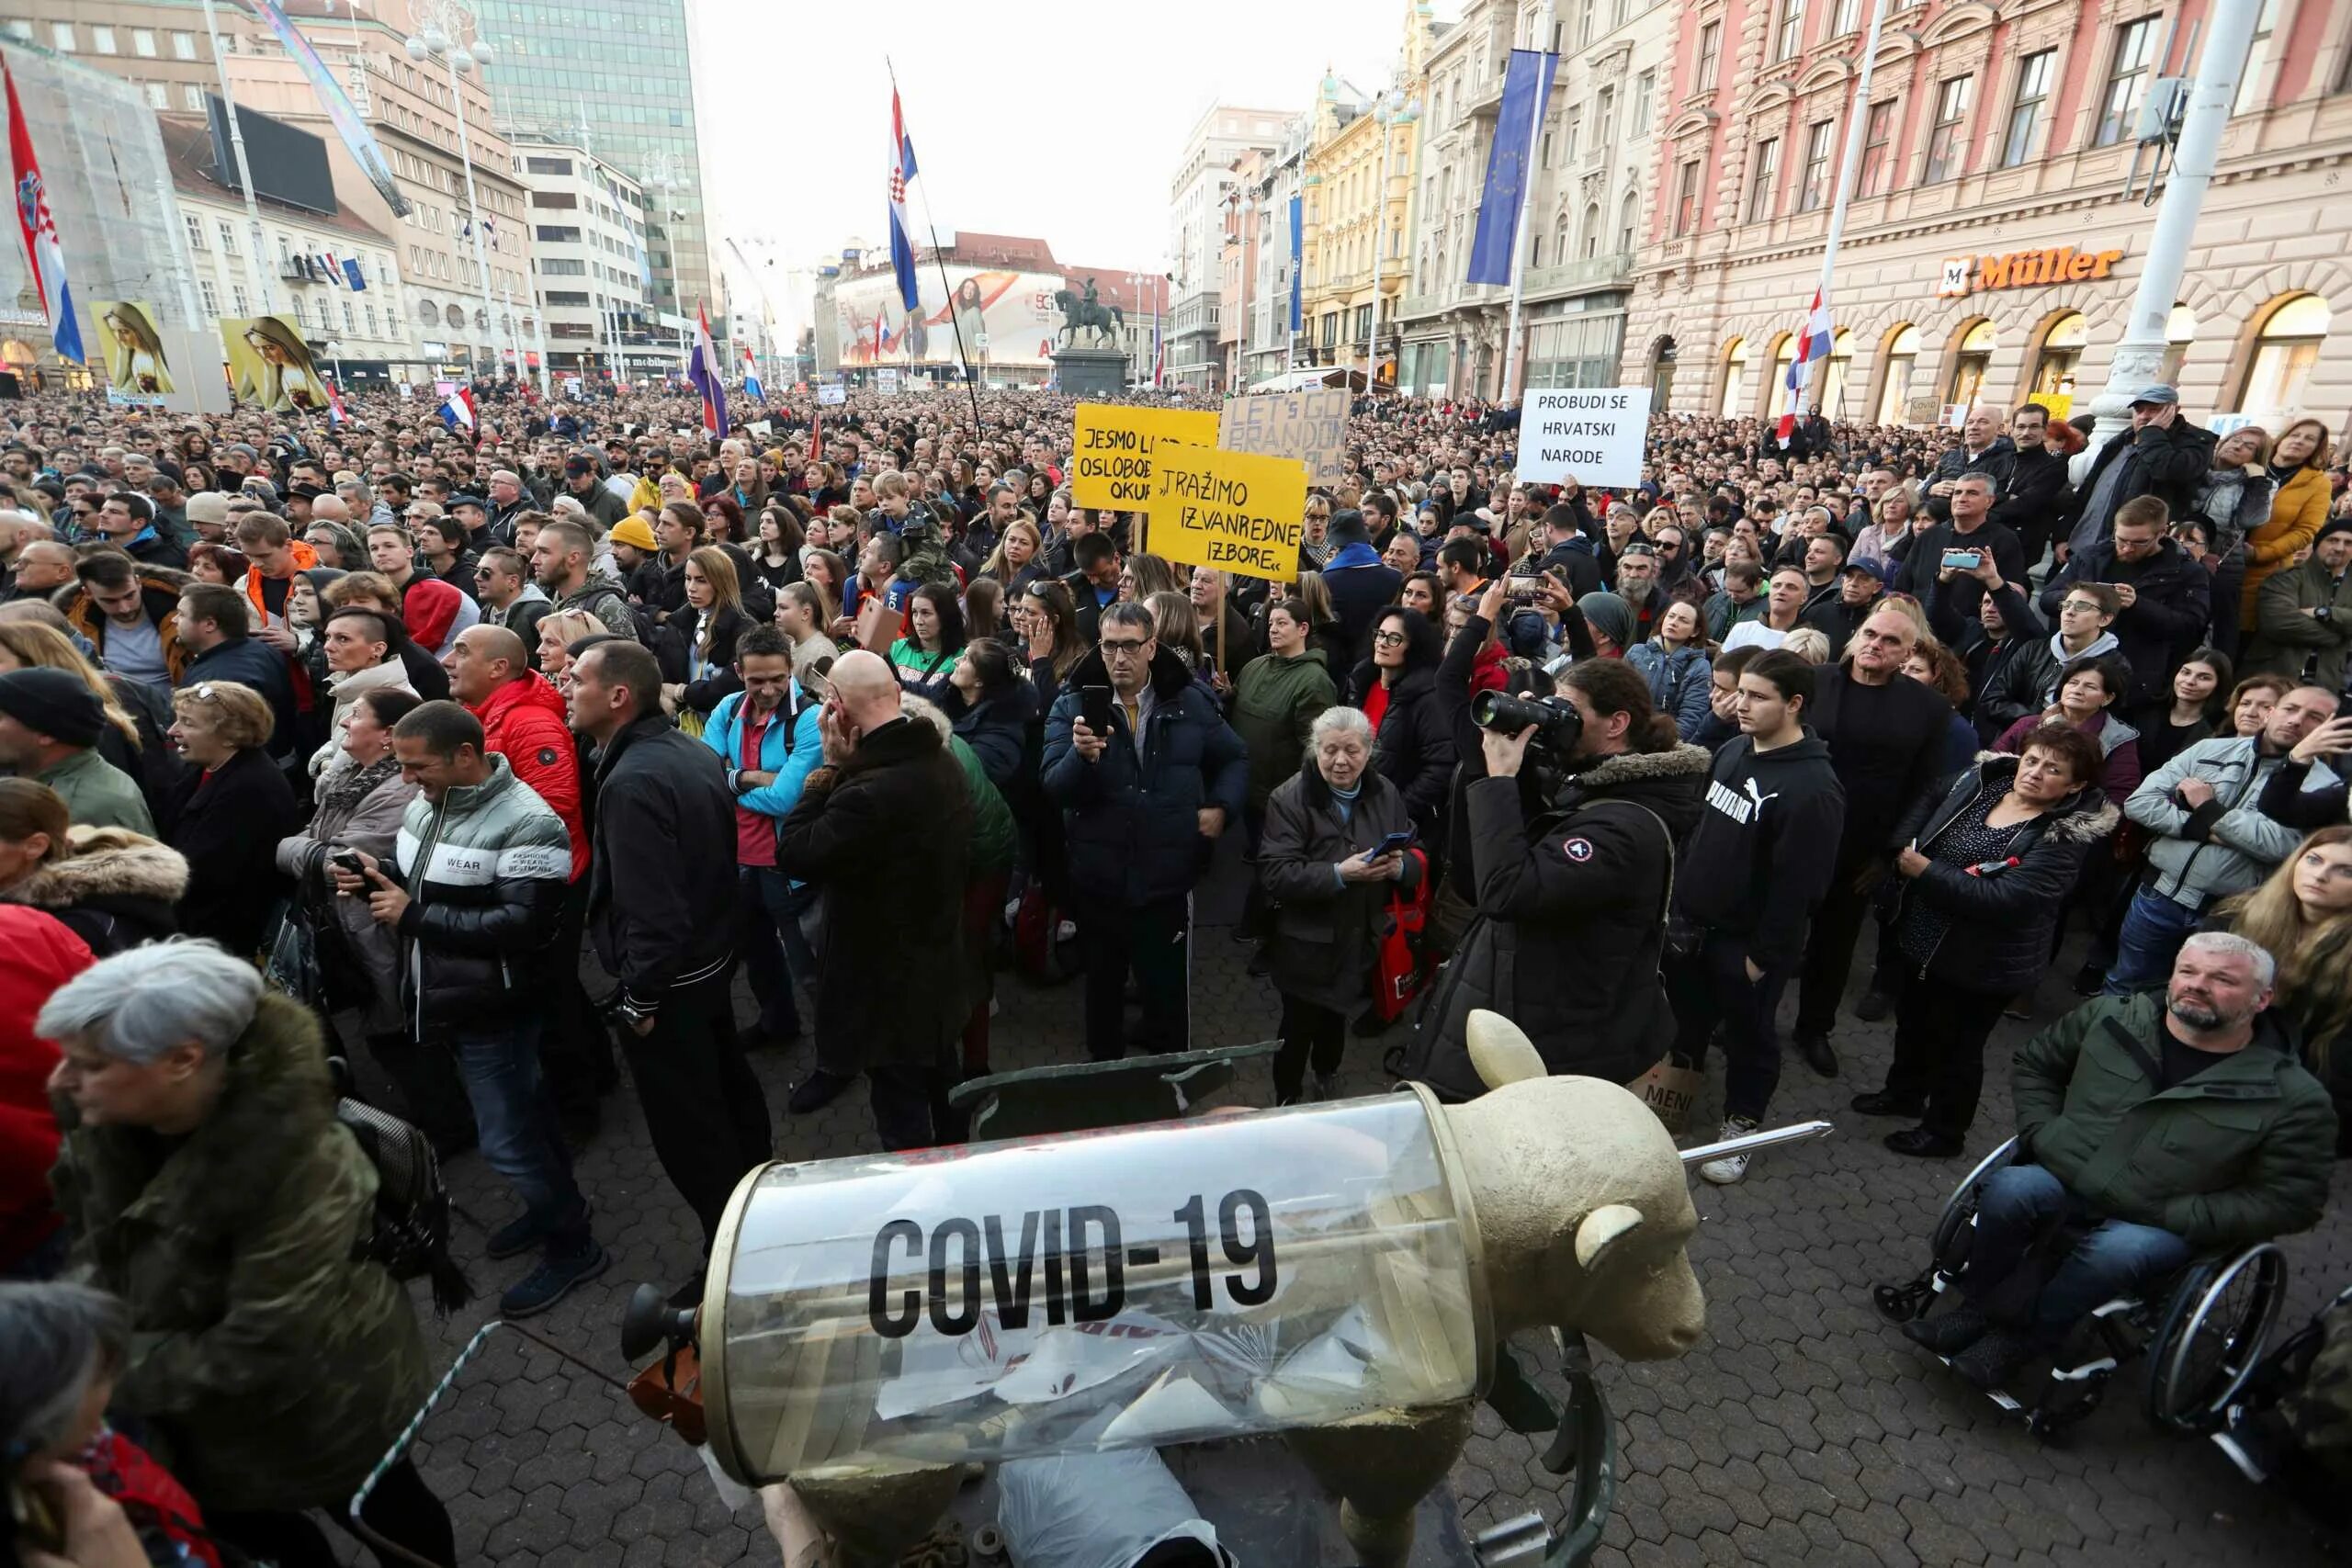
{"x": 2023, "y": 269}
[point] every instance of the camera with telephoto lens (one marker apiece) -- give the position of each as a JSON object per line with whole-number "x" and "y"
{"x": 1557, "y": 724}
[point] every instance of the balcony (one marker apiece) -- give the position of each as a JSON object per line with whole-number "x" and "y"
{"x": 1610, "y": 269}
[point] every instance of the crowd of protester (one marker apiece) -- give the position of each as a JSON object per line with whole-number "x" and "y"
{"x": 861, "y": 701}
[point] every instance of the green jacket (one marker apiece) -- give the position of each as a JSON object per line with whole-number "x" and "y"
{"x": 1274, "y": 704}
{"x": 2241, "y": 1153}
{"x": 99, "y": 794}
{"x": 273, "y": 1370}
{"x": 993, "y": 837}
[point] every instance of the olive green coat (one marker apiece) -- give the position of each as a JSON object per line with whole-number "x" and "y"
{"x": 2238, "y": 1154}
{"x": 1275, "y": 703}
{"x": 273, "y": 1371}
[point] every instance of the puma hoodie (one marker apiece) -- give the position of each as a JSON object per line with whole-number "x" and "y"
{"x": 1766, "y": 843}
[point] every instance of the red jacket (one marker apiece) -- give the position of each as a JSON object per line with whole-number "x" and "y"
{"x": 42, "y": 955}
{"x": 524, "y": 721}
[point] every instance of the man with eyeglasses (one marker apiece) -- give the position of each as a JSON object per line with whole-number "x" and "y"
{"x": 1142, "y": 799}
{"x": 42, "y": 567}
{"x": 1886, "y": 734}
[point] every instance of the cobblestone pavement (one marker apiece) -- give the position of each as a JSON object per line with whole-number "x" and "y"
{"x": 1802, "y": 1430}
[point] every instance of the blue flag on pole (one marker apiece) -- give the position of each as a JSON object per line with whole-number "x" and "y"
{"x": 902, "y": 169}
{"x": 1527, "y": 88}
{"x": 1298, "y": 248}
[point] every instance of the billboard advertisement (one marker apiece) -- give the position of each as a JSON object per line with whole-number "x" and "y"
{"x": 1009, "y": 319}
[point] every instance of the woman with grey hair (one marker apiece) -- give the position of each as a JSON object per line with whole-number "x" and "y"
{"x": 1318, "y": 864}
{"x": 207, "y": 1183}
{"x": 64, "y": 1347}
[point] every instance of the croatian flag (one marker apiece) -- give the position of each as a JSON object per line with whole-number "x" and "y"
{"x": 458, "y": 413}
{"x": 703, "y": 372}
{"x": 751, "y": 376}
{"x": 880, "y": 337}
{"x": 1812, "y": 344}
{"x": 336, "y": 415}
{"x": 43, "y": 253}
{"x": 902, "y": 169}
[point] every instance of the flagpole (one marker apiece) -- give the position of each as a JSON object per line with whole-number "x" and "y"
{"x": 1848, "y": 174}
{"x": 1513, "y": 351}
{"x": 244, "y": 170}
{"x": 948, "y": 290}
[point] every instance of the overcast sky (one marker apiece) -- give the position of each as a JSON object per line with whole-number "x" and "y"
{"x": 1058, "y": 119}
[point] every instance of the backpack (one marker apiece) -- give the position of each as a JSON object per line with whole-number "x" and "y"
{"x": 409, "y": 1231}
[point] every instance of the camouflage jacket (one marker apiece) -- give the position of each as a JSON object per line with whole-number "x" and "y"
{"x": 272, "y": 1370}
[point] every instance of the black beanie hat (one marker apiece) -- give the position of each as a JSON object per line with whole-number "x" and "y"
{"x": 52, "y": 702}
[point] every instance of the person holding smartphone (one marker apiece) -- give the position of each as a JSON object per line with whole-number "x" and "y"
{"x": 1335, "y": 844}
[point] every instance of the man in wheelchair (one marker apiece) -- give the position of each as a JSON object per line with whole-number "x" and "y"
{"x": 2150, "y": 1129}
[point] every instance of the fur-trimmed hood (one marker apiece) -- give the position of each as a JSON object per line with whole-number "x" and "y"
{"x": 1632, "y": 767}
{"x": 2085, "y": 817}
{"x": 107, "y": 864}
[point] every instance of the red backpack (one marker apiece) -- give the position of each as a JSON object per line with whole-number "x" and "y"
{"x": 1399, "y": 972}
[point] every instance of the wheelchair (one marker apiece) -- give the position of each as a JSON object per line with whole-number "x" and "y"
{"x": 2202, "y": 1332}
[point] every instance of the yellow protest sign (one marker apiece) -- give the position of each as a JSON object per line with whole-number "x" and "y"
{"x": 1310, "y": 426}
{"x": 1112, "y": 447}
{"x": 1235, "y": 510}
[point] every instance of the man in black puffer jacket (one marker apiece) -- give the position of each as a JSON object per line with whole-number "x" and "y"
{"x": 1571, "y": 897}
{"x": 474, "y": 900}
{"x": 662, "y": 866}
{"x": 1141, "y": 805}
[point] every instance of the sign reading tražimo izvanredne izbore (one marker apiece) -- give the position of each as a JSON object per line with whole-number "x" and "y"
{"x": 2023, "y": 269}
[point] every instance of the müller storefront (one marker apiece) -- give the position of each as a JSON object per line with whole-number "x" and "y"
{"x": 2000, "y": 309}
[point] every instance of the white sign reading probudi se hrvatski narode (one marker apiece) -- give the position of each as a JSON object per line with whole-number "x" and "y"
{"x": 1590, "y": 435}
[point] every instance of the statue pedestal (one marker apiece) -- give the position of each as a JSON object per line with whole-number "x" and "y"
{"x": 1090, "y": 372}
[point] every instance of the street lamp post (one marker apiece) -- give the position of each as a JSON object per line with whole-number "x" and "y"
{"x": 1394, "y": 110}
{"x": 442, "y": 20}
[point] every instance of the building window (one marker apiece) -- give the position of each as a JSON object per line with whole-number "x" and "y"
{"x": 302, "y": 316}
{"x": 2034, "y": 76}
{"x": 1645, "y": 85}
{"x": 2062, "y": 351}
{"x": 142, "y": 43}
{"x": 561, "y": 200}
{"x": 1901, "y": 356}
{"x": 158, "y": 96}
{"x": 2257, "y": 77}
{"x": 1848, "y": 18}
{"x": 237, "y": 300}
{"x": 1814, "y": 190}
{"x": 1878, "y": 144}
{"x": 2180, "y": 331}
{"x": 2284, "y": 354}
{"x": 61, "y": 36}
{"x": 371, "y": 317}
{"x": 192, "y": 96}
{"x": 1784, "y": 358}
{"x": 1734, "y": 397}
{"x": 183, "y": 46}
{"x": 2127, "y": 82}
{"x": 548, "y": 165}
{"x": 102, "y": 39}
{"x": 1948, "y": 140}
{"x": 1629, "y": 213}
{"x": 557, "y": 234}
{"x": 1841, "y": 366}
{"x": 211, "y": 297}
{"x": 228, "y": 237}
{"x": 1710, "y": 55}
{"x": 1789, "y": 37}
{"x": 1604, "y": 119}
{"x": 1686, "y": 198}
{"x": 1970, "y": 361}
{"x": 195, "y": 231}
{"x": 20, "y": 30}
{"x": 1761, "y": 191}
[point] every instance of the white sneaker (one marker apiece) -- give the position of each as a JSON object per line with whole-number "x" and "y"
{"x": 1011, "y": 911}
{"x": 1066, "y": 930}
{"x": 1731, "y": 1168}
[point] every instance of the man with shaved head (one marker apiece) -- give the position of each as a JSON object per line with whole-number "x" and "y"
{"x": 524, "y": 720}
{"x": 664, "y": 867}
{"x": 884, "y": 829}
{"x": 42, "y": 567}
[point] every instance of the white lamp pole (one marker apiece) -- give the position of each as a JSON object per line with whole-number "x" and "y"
{"x": 443, "y": 21}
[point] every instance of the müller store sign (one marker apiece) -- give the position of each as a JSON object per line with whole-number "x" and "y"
{"x": 2023, "y": 269}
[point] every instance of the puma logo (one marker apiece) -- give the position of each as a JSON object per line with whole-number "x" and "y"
{"x": 1758, "y": 799}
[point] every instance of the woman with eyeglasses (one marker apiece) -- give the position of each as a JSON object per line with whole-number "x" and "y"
{"x": 1396, "y": 689}
{"x": 228, "y": 813}
{"x": 2088, "y": 690}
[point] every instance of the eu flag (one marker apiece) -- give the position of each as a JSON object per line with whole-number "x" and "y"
{"x": 1527, "y": 88}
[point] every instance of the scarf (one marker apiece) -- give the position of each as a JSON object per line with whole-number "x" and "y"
{"x": 341, "y": 792}
{"x": 1344, "y": 800}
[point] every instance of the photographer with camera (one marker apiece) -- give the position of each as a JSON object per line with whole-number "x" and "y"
{"x": 1572, "y": 834}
